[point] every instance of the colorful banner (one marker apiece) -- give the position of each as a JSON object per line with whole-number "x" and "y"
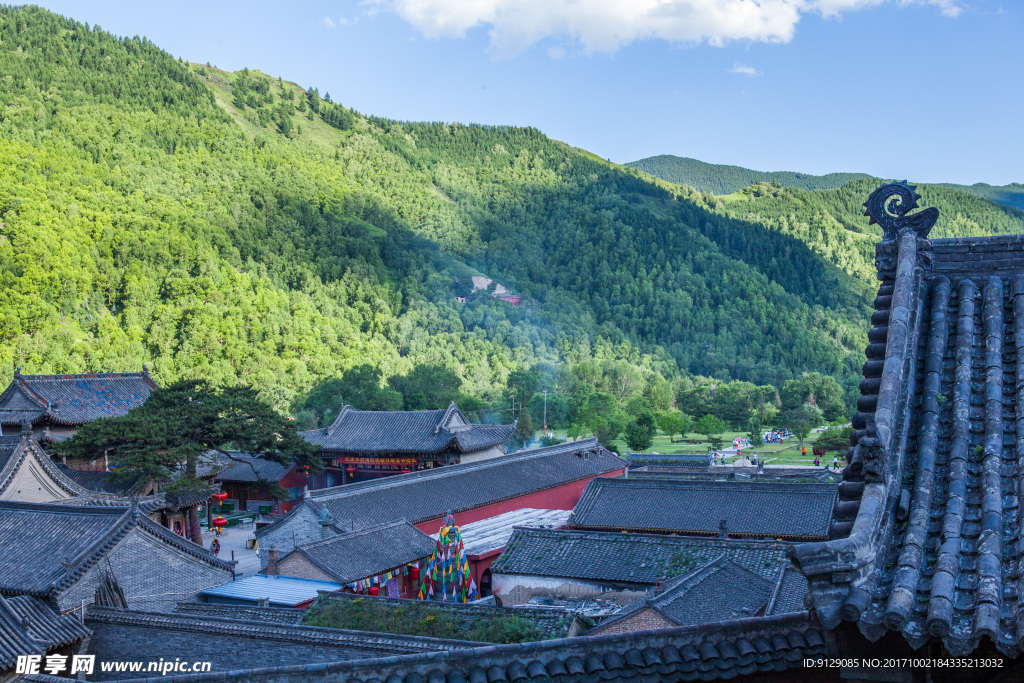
{"x": 446, "y": 571}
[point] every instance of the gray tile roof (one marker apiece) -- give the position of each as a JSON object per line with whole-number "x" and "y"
{"x": 691, "y": 460}
{"x": 39, "y": 538}
{"x": 706, "y": 652}
{"x": 357, "y": 555}
{"x": 147, "y": 505}
{"x": 48, "y": 547}
{"x": 409, "y": 431}
{"x": 926, "y": 534}
{"x": 273, "y": 615}
{"x": 75, "y": 399}
{"x": 628, "y": 558}
{"x": 28, "y": 625}
{"x": 789, "y": 592}
{"x": 717, "y": 591}
{"x": 251, "y": 468}
{"x": 778, "y": 510}
{"x": 429, "y": 494}
{"x": 103, "y": 482}
{"x": 8, "y": 444}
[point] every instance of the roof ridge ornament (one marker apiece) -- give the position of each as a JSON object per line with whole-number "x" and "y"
{"x": 889, "y": 206}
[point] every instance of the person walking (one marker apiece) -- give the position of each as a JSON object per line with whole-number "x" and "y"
{"x": 215, "y": 547}
{"x": 835, "y": 462}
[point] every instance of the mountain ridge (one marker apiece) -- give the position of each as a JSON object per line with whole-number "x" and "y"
{"x": 724, "y": 179}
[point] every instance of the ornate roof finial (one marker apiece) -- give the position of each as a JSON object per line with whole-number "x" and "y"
{"x": 889, "y": 205}
{"x": 326, "y": 521}
{"x": 325, "y": 515}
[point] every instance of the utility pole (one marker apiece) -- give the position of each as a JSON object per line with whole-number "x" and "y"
{"x": 515, "y": 407}
{"x": 546, "y": 413}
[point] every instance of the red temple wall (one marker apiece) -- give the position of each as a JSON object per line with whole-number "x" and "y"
{"x": 563, "y": 497}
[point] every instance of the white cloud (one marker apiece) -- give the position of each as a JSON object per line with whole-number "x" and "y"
{"x": 832, "y": 8}
{"x": 741, "y": 68}
{"x": 328, "y": 22}
{"x": 607, "y": 25}
{"x": 343, "y": 21}
{"x": 949, "y": 8}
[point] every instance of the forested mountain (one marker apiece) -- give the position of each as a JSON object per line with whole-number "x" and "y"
{"x": 832, "y": 223}
{"x": 1010, "y": 195}
{"x": 721, "y": 179}
{"x": 240, "y": 228}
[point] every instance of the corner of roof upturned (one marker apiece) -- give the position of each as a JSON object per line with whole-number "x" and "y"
{"x": 443, "y": 422}
{"x": 145, "y": 376}
{"x": 345, "y": 410}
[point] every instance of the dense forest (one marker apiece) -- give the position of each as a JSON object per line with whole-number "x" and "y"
{"x": 724, "y": 179}
{"x": 721, "y": 179}
{"x": 240, "y": 228}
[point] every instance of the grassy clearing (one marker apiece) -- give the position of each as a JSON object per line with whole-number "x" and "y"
{"x": 787, "y": 453}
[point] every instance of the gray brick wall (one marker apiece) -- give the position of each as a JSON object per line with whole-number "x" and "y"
{"x": 644, "y": 620}
{"x": 146, "y": 566}
{"x": 299, "y": 566}
{"x": 225, "y": 652}
{"x": 302, "y": 524}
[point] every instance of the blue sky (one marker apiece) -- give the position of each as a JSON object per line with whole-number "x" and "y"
{"x": 930, "y": 90}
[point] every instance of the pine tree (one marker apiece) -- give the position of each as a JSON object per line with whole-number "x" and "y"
{"x": 166, "y": 438}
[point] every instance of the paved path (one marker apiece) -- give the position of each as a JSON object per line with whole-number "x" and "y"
{"x": 234, "y": 539}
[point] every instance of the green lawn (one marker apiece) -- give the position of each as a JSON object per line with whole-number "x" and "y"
{"x": 787, "y": 453}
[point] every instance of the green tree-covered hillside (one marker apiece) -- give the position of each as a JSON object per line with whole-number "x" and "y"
{"x": 832, "y": 223}
{"x": 239, "y": 228}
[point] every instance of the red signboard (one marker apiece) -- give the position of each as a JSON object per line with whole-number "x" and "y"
{"x": 396, "y": 462}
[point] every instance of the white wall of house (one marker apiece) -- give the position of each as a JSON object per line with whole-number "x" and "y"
{"x": 32, "y": 484}
{"x": 487, "y": 454}
{"x": 517, "y": 589}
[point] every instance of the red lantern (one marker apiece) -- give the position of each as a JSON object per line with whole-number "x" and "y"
{"x": 414, "y": 573}
{"x": 220, "y": 522}
{"x": 351, "y": 469}
{"x": 373, "y": 590}
{"x": 220, "y": 497}
{"x": 406, "y": 470}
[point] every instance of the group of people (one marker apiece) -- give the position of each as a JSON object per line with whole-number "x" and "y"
{"x": 776, "y": 436}
{"x": 835, "y": 462}
{"x": 719, "y": 458}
